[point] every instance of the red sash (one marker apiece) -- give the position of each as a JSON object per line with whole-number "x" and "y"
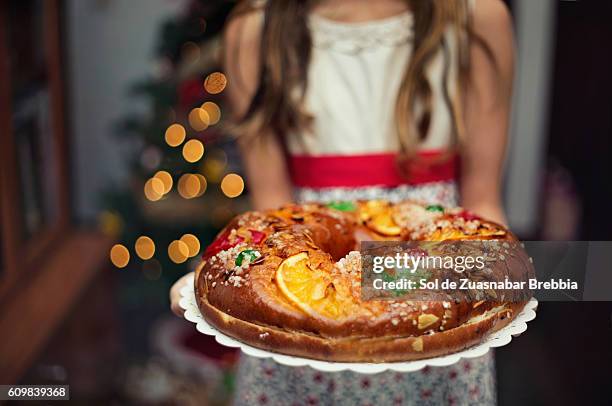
{"x": 370, "y": 170}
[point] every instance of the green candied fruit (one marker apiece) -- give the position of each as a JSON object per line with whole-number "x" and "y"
{"x": 342, "y": 206}
{"x": 249, "y": 255}
{"x": 435, "y": 207}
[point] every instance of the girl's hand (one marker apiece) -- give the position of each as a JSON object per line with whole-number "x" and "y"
{"x": 175, "y": 294}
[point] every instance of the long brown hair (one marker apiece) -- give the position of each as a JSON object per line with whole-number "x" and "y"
{"x": 285, "y": 52}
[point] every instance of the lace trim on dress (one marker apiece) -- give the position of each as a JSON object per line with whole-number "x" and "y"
{"x": 354, "y": 38}
{"x": 444, "y": 193}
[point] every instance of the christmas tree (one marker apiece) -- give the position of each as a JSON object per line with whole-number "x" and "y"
{"x": 185, "y": 178}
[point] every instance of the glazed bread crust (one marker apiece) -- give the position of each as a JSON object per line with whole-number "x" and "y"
{"x": 245, "y": 302}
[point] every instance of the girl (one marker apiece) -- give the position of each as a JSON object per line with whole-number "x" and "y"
{"x": 355, "y": 99}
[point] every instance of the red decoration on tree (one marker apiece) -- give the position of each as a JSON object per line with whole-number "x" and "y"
{"x": 190, "y": 93}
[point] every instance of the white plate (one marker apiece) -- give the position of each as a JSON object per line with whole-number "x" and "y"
{"x": 497, "y": 339}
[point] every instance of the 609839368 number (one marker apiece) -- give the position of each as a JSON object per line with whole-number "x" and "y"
{"x": 34, "y": 392}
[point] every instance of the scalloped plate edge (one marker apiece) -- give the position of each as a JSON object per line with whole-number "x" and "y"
{"x": 498, "y": 339}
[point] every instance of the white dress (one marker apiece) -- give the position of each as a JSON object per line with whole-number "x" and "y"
{"x": 354, "y": 75}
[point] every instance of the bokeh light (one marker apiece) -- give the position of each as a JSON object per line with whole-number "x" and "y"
{"x": 232, "y": 185}
{"x": 110, "y": 223}
{"x": 193, "y": 150}
{"x": 144, "y": 247}
{"x": 190, "y": 51}
{"x": 198, "y": 119}
{"x": 214, "y": 165}
{"x": 175, "y": 135}
{"x": 154, "y": 189}
{"x": 203, "y": 184}
{"x": 178, "y": 251}
{"x": 119, "y": 256}
{"x": 189, "y": 186}
{"x": 152, "y": 269}
{"x": 215, "y": 82}
{"x": 213, "y": 111}
{"x": 150, "y": 158}
{"x": 166, "y": 179}
{"x": 192, "y": 243}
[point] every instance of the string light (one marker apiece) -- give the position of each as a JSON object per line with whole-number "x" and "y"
{"x": 198, "y": 119}
{"x": 189, "y": 186}
{"x": 203, "y": 184}
{"x": 175, "y": 135}
{"x": 214, "y": 165}
{"x": 178, "y": 251}
{"x": 154, "y": 189}
{"x": 192, "y": 243}
{"x": 166, "y": 179}
{"x": 193, "y": 150}
{"x": 232, "y": 185}
{"x": 110, "y": 223}
{"x": 144, "y": 247}
{"x": 215, "y": 83}
{"x": 119, "y": 256}
{"x": 213, "y": 111}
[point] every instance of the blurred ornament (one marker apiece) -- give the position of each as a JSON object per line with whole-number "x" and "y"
{"x": 193, "y": 150}
{"x": 110, "y": 223}
{"x": 178, "y": 251}
{"x": 119, "y": 256}
{"x": 175, "y": 135}
{"x": 190, "y": 93}
{"x": 144, "y": 247}
{"x": 213, "y": 111}
{"x": 150, "y": 158}
{"x": 215, "y": 83}
{"x": 214, "y": 165}
{"x": 232, "y": 185}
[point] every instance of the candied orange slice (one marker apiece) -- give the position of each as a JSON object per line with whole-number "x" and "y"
{"x": 371, "y": 208}
{"x": 448, "y": 233}
{"x": 384, "y": 224}
{"x": 378, "y": 215}
{"x": 311, "y": 290}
